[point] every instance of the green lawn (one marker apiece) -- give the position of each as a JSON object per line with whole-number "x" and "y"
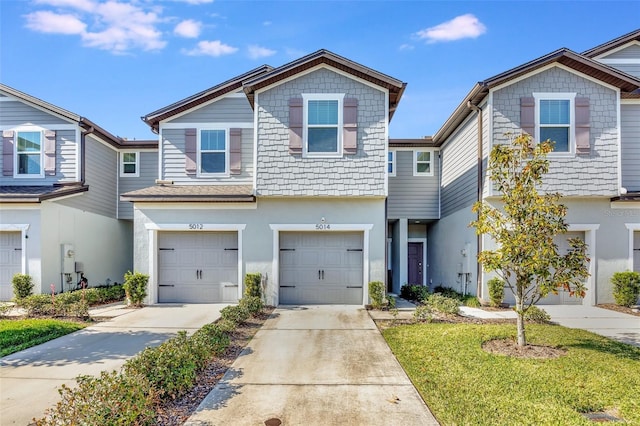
{"x": 16, "y": 335}
{"x": 462, "y": 384}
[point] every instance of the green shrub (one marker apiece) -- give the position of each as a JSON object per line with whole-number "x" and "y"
{"x": 111, "y": 399}
{"x": 414, "y": 292}
{"x": 135, "y": 287}
{"x": 235, "y": 313}
{"x": 214, "y": 337}
{"x": 626, "y": 287}
{"x": 423, "y": 313}
{"x": 171, "y": 368}
{"x": 448, "y": 292}
{"x": 535, "y": 314}
{"x": 496, "y": 291}
{"x": 22, "y": 285}
{"x": 472, "y": 301}
{"x": 391, "y": 302}
{"x": 226, "y": 325}
{"x": 253, "y": 285}
{"x": 443, "y": 304}
{"x": 253, "y": 304}
{"x": 376, "y": 294}
{"x": 38, "y": 305}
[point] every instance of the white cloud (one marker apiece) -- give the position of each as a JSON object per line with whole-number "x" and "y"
{"x": 406, "y": 47}
{"x": 48, "y": 22}
{"x": 86, "y": 5}
{"x": 188, "y": 28}
{"x": 257, "y": 52}
{"x": 211, "y": 48}
{"x": 195, "y": 2}
{"x": 463, "y": 26}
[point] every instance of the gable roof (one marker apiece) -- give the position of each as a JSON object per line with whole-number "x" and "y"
{"x": 592, "y": 68}
{"x": 153, "y": 118}
{"x": 396, "y": 87}
{"x": 612, "y": 44}
{"x": 89, "y": 126}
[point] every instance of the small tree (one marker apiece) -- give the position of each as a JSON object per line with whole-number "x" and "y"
{"x": 135, "y": 287}
{"x": 527, "y": 258}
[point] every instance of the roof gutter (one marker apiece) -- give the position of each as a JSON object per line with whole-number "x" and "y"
{"x": 480, "y": 185}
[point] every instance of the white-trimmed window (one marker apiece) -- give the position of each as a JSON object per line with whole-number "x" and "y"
{"x": 555, "y": 120}
{"x": 129, "y": 164}
{"x": 28, "y": 153}
{"x": 423, "y": 163}
{"x": 322, "y": 121}
{"x": 391, "y": 163}
{"x": 213, "y": 152}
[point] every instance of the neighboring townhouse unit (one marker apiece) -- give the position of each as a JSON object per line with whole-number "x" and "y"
{"x": 59, "y": 209}
{"x": 589, "y": 104}
{"x": 281, "y": 171}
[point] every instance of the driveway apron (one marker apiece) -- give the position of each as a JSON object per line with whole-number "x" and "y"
{"x": 324, "y": 365}
{"x": 29, "y": 379}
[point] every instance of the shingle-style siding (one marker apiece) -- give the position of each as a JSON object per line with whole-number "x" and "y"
{"x": 226, "y": 110}
{"x": 148, "y": 173}
{"x": 173, "y": 161}
{"x": 459, "y": 168}
{"x": 411, "y": 196}
{"x": 101, "y": 165}
{"x": 15, "y": 113}
{"x": 594, "y": 174}
{"x": 283, "y": 174}
{"x": 630, "y": 136}
{"x": 66, "y": 159}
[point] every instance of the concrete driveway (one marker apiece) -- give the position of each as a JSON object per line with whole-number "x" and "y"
{"x": 29, "y": 379}
{"x": 324, "y": 365}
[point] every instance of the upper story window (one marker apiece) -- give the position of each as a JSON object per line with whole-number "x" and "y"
{"x": 129, "y": 164}
{"x": 322, "y": 131}
{"x": 555, "y": 120}
{"x": 28, "y": 153}
{"x": 213, "y": 152}
{"x": 423, "y": 163}
{"x": 391, "y": 163}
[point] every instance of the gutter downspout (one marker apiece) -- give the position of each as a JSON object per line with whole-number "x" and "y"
{"x": 479, "y": 195}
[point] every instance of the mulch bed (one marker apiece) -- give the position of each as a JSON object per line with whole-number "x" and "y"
{"x": 176, "y": 412}
{"x": 623, "y": 309}
{"x": 509, "y": 347}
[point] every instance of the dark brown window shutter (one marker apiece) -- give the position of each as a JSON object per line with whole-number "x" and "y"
{"x": 50, "y": 152}
{"x": 350, "y": 126}
{"x": 235, "y": 151}
{"x": 190, "y": 151}
{"x": 7, "y": 152}
{"x": 583, "y": 126}
{"x": 295, "y": 125}
{"x": 528, "y": 116}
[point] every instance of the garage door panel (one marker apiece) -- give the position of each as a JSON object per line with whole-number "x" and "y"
{"x": 199, "y": 267}
{"x": 321, "y": 268}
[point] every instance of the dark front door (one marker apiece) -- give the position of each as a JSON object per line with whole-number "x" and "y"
{"x": 415, "y": 263}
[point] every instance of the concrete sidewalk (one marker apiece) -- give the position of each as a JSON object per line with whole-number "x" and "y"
{"x": 325, "y": 365}
{"x": 29, "y": 379}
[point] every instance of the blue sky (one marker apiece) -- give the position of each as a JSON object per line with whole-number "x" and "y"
{"x": 114, "y": 61}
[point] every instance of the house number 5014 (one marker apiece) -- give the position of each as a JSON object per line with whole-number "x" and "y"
{"x": 195, "y": 226}
{"x": 323, "y": 226}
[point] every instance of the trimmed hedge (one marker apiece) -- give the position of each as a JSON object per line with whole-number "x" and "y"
{"x": 377, "y": 294}
{"x": 414, "y": 292}
{"x": 626, "y": 287}
{"x": 71, "y": 304}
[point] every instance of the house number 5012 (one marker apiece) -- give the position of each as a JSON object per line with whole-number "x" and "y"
{"x": 323, "y": 226}
{"x": 195, "y": 226}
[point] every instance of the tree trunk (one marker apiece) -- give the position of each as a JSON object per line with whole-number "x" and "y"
{"x": 522, "y": 339}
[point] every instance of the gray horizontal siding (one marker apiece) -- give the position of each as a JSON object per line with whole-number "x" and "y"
{"x": 148, "y": 172}
{"x": 630, "y": 135}
{"x": 629, "y": 52}
{"x": 631, "y": 69}
{"x": 226, "y": 110}
{"x": 173, "y": 161}
{"x": 414, "y": 197}
{"x": 66, "y": 159}
{"x": 15, "y": 113}
{"x": 101, "y": 165}
{"x": 459, "y": 169}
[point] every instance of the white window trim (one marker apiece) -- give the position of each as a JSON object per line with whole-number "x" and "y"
{"x": 306, "y": 97}
{"x": 393, "y": 163}
{"x": 415, "y": 162}
{"x": 226, "y": 152}
{"x": 571, "y": 97}
{"x": 137, "y": 164}
{"x": 15, "y": 153}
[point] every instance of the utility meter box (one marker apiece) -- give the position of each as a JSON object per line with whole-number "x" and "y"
{"x": 68, "y": 256}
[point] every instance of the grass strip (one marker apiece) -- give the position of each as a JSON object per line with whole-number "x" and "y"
{"x": 16, "y": 335}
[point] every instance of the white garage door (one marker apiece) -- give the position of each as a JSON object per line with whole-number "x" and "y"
{"x": 563, "y": 297}
{"x": 197, "y": 267}
{"x": 321, "y": 267}
{"x": 10, "y": 261}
